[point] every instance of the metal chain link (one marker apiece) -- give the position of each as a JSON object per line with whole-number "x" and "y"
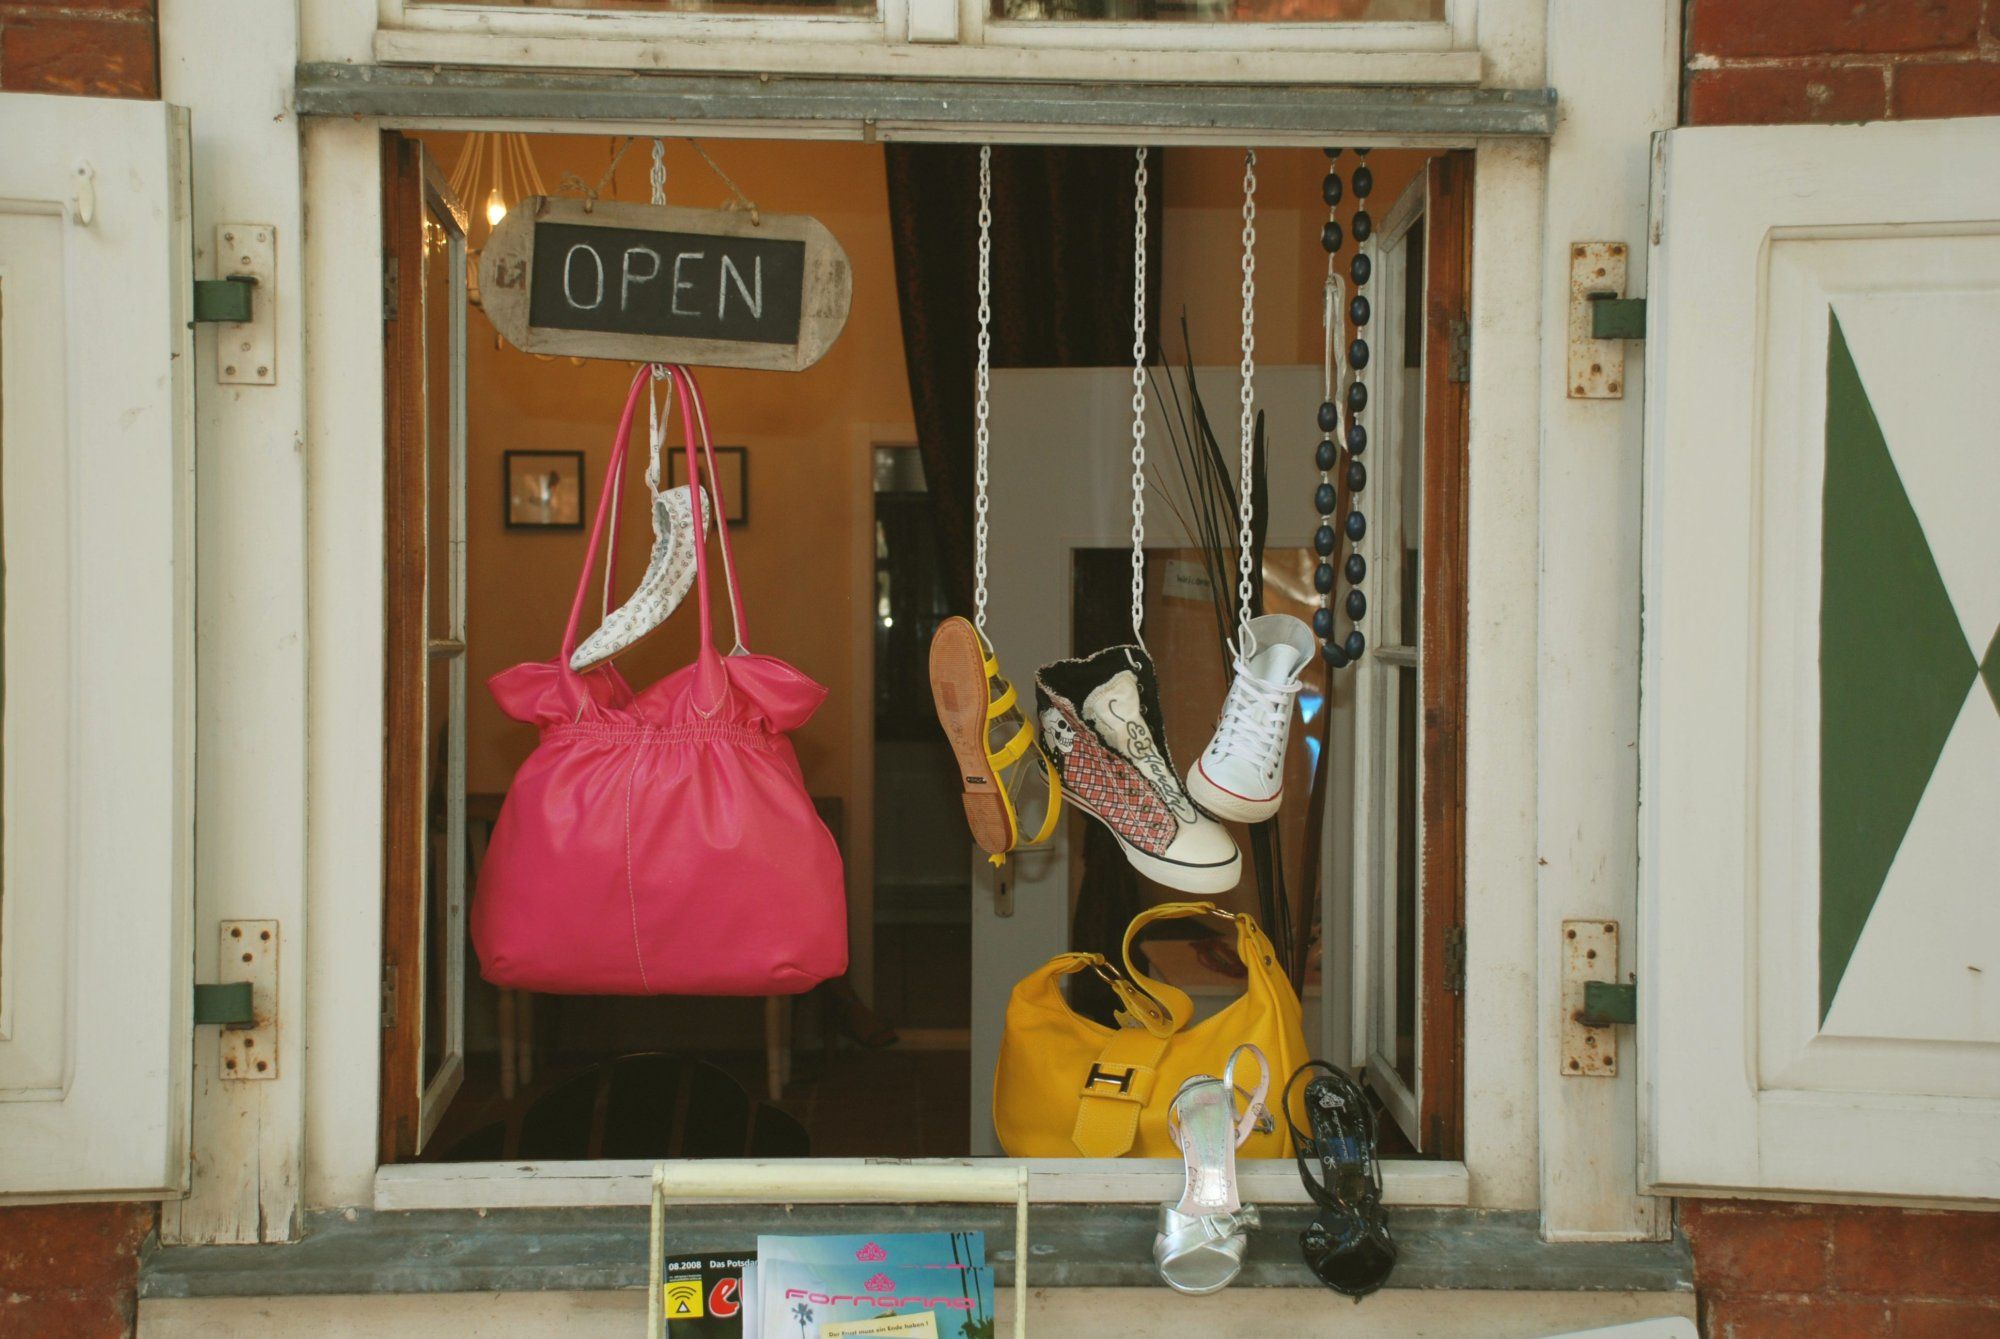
{"x": 981, "y": 436}
{"x": 659, "y": 171}
{"x": 1139, "y": 178}
{"x": 1244, "y": 537}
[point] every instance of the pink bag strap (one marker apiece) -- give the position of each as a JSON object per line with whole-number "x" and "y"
{"x": 605, "y": 527}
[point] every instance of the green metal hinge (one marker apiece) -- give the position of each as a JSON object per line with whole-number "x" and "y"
{"x": 228, "y": 1004}
{"x": 1617, "y": 318}
{"x": 223, "y": 299}
{"x": 1608, "y": 1002}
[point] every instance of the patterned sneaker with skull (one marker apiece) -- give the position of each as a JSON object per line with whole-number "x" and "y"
{"x": 1241, "y": 774}
{"x": 1101, "y": 723}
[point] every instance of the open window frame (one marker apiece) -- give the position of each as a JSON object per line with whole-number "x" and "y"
{"x": 411, "y": 1104}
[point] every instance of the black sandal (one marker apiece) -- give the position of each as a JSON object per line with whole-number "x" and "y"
{"x": 1347, "y": 1246}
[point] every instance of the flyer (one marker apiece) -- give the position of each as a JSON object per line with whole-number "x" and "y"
{"x": 908, "y": 1327}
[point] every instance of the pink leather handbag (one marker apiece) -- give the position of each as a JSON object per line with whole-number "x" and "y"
{"x": 661, "y": 842}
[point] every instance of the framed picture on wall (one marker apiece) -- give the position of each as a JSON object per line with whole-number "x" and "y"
{"x": 543, "y": 489}
{"x": 732, "y": 472}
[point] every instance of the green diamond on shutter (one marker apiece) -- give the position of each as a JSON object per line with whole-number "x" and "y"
{"x": 1894, "y": 665}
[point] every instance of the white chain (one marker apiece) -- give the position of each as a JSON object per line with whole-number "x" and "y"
{"x": 1139, "y": 398}
{"x": 659, "y": 171}
{"x": 980, "y": 435}
{"x": 1244, "y": 536}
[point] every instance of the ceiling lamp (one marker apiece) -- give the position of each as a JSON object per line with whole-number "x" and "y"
{"x": 494, "y": 172}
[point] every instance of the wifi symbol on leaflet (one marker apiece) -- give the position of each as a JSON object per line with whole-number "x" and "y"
{"x": 881, "y": 1283}
{"x": 871, "y": 1254}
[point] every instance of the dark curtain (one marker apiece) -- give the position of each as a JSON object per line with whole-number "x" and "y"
{"x": 1062, "y": 290}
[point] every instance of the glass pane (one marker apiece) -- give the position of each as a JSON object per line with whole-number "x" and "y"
{"x": 437, "y": 870}
{"x": 440, "y": 618}
{"x": 1405, "y": 867}
{"x": 1221, "y": 11}
{"x": 744, "y": 8}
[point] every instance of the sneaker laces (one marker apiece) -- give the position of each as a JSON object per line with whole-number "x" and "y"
{"x": 1255, "y": 714}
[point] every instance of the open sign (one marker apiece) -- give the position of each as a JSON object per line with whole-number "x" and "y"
{"x": 653, "y": 283}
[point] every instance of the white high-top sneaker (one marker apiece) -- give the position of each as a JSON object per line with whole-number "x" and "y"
{"x": 1241, "y": 774}
{"x": 1101, "y": 724}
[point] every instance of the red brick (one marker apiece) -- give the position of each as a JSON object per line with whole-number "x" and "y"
{"x": 1785, "y": 95}
{"x": 72, "y": 1248}
{"x": 1957, "y": 88}
{"x": 1947, "y": 1320}
{"x": 1831, "y": 27}
{"x": 1797, "y": 1318}
{"x": 1916, "y": 1253}
{"x": 106, "y": 57}
{"x": 80, "y": 8}
{"x": 1761, "y": 1252}
{"x": 24, "y": 1317}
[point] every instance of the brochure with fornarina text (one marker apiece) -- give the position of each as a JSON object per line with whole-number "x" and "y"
{"x": 804, "y": 1285}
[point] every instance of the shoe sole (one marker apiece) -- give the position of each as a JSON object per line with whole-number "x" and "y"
{"x": 958, "y": 686}
{"x": 1203, "y": 880}
{"x": 1219, "y": 802}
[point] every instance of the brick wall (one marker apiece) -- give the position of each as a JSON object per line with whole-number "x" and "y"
{"x": 71, "y": 1271}
{"x": 109, "y": 48}
{"x": 1757, "y": 62}
{"x": 1771, "y": 1271}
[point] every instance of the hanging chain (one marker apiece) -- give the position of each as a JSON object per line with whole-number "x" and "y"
{"x": 981, "y": 436}
{"x": 1139, "y": 398}
{"x": 1244, "y": 536}
{"x": 659, "y": 171}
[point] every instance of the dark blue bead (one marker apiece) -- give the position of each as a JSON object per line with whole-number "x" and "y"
{"x": 1326, "y": 455}
{"x": 1357, "y": 398}
{"x": 1357, "y": 476}
{"x": 1357, "y": 439}
{"x": 1323, "y": 540}
{"x": 1358, "y": 311}
{"x": 1356, "y": 569}
{"x": 1331, "y": 153}
{"x": 1357, "y": 525}
{"x": 1357, "y": 354}
{"x": 1335, "y": 656}
{"x": 1363, "y": 224}
{"x": 1354, "y": 645}
{"x": 1357, "y": 604}
{"x": 1329, "y": 190}
{"x": 1362, "y": 153}
{"x": 1330, "y": 236}
{"x": 1323, "y": 578}
{"x": 1323, "y": 499}
{"x": 1329, "y": 416}
{"x": 1323, "y": 623}
{"x": 1360, "y": 268}
{"x": 1364, "y": 182}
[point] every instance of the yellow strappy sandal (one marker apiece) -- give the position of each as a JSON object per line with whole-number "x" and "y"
{"x": 974, "y": 704}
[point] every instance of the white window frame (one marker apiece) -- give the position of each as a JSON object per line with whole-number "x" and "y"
{"x": 1376, "y": 758}
{"x": 1444, "y": 51}
{"x": 342, "y": 1163}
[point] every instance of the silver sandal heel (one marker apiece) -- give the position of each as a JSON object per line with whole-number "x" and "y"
{"x": 1201, "y": 1241}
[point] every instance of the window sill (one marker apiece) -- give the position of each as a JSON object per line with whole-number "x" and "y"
{"x": 1104, "y": 1246}
{"x": 611, "y": 1184}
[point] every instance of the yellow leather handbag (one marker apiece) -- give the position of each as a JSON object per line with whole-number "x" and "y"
{"x": 1066, "y": 1087}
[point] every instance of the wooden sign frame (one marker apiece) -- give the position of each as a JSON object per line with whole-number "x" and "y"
{"x": 506, "y": 283}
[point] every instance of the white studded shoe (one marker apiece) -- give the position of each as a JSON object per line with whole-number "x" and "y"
{"x": 1241, "y": 774}
{"x": 669, "y": 574}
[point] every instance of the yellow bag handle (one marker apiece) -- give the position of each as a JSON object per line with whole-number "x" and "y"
{"x": 1179, "y": 1009}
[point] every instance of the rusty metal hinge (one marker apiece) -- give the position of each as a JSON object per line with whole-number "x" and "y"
{"x": 1454, "y": 959}
{"x": 388, "y": 996}
{"x": 392, "y": 287}
{"x": 1459, "y": 372}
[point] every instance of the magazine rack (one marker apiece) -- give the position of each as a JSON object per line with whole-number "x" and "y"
{"x": 834, "y": 1183}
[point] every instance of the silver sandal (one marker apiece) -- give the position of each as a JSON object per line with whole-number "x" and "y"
{"x": 1200, "y": 1244}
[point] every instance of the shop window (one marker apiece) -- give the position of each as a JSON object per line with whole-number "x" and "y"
{"x": 1361, "y": 890}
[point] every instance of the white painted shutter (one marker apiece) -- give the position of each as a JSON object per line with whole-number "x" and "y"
{"x": 1820, "y": 858}
{"x": 96, "y": 509}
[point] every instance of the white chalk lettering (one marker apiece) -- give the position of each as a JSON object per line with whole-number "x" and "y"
{"x": 753, "y": 293}
{"x": 629, "y": 277}
{"x": 569, "y": 274}
{"x": 680, "y": 283}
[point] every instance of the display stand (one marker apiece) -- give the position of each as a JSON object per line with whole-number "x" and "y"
{"x": 853, "y": 1183}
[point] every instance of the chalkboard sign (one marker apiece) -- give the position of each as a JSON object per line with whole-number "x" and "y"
{"x": 650, "y": 283}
